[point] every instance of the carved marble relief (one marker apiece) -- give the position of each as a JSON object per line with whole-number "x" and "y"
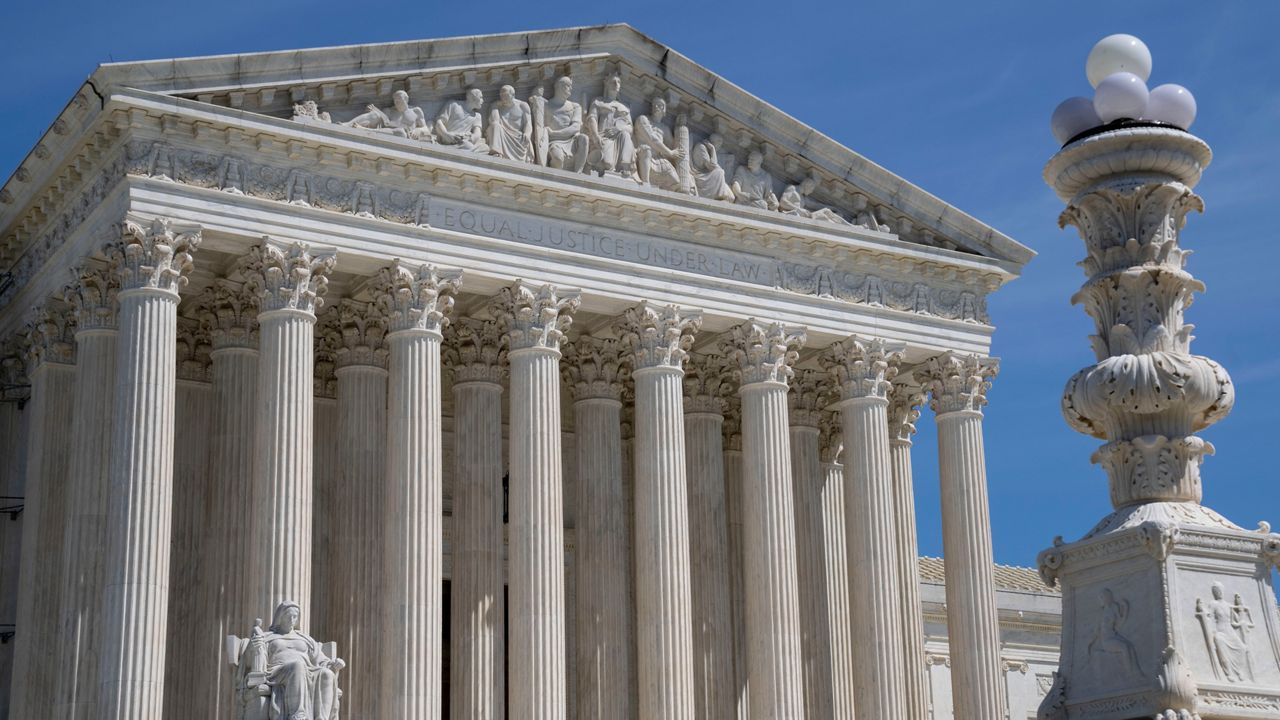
{"x": 1226, "y": 627}
{"x": 1109, "y": 651}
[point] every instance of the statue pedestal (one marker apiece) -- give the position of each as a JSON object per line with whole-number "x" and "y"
{"x": 1167, "y": 606}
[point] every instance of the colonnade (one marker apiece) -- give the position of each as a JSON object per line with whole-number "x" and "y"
{"x": 745, "y": 531}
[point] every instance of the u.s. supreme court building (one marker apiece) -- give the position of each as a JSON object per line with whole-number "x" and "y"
{"x": 541, "y": 375}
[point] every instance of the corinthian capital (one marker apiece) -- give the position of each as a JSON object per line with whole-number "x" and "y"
{"x": 229, "y": 312}
{"x": 153, "y": 254}
{"x": 764, "y": 352}
{"x": 92, "y": 294}
{"x": 193, "y": 350}
{"x": 290, "y": 276}
{"x": 536, "y": 316}
{"x": 49, "y": 336}
{"x": 658, "y": 335}
{"x": 708, "y": 384}
{"x": 831, "y": 441}
{"x": 863, "y": 367}
{"x": 416, "y": 297}
{"x": 810, "y": 393}
{"x": 959, "y": 382}
{"x": 593, "y": 368}
{"x": 904, "y": 410}
{"x": 362, "y": 333}
{"x": 476, "y": 350}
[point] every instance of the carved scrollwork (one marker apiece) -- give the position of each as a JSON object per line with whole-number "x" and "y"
{"x": 1048, "y": 563}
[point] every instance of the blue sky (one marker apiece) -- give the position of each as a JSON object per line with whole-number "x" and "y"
{"x": 954, "y": 97}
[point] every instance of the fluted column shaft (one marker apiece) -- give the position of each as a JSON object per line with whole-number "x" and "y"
{"x": 837, "y": 567}
{"x": 709, "y": 557}
{"x": 140, "y": 491}
{"x": 815, "y": 627}
{"x": 418, "y": 299}
{"x": 476, "y": 648}
{"x": 972, "y": 624}
{"x": 903, "y": 412}
{"x": 43, "y": 525}
{"x": 733, "y": 490}
{"x": 78, "y": 640}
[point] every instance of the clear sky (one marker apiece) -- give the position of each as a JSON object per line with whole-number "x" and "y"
{"x": 955, "y": 97}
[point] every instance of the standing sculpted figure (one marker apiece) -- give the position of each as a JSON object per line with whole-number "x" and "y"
{"x": 753, "y": 185}
{"x": 567, "y": 145}
{"x": 657, "y": 150}
{"x": 401, "y": 120}
{"x": 286, "y": 668}
{"x": 461, "y": 125}
{"x": 708, "y": 175}
{"x": 511, "y": 127}
{"x": 1107, "y": 640}
{"x": 1226, "y": 627}
{"x": 795, "y": 199}
{"x": 538, "y": 108}
{"x": 610, "y": 130}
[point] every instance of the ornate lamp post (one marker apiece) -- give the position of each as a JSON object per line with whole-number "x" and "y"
{"x": 1168, "y": 608}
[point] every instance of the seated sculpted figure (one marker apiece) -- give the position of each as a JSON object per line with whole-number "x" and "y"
{"x": 794, "y": 201}
{"x": 753, "y": 185}
{"x": 462, "y": 125}
{"x": 609, "y": 127}
{"x": 283, "y": 673}
{"x": 401, "y": 120}
{"x": 707, "y": 173}
{"x": 866, "y": 214}
{"x": 566, "y": 144}
{"x": 511, "y": 127}
{"x": 656, "y": 149}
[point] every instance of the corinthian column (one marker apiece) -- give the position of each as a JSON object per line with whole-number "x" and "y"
{"x": 836, "y": 557}
{"x": 863, "y": 368}
{"x": 806, "y": 400}
{"x": 592, "y": 369}
{"x": 50, "y": 358}
{"x": 93, "y": 295}
{"x": 958, "y": 385}
{"x": 904, "y": 410}
{"x": 231, "y": 316}
{"x": 733, "y": 490}
{"x": 417, "y": 300}
{"x": 764, "y": 353}
{"x": 354, "y": 612}
{"x": 477, "y": 355}
{"x": 152, "y": 262}
{"x": 537, "y": 318}
{"x": 705, "y": 388}
{"x": 659, "y": 338}
{"x": 291, "y": 280}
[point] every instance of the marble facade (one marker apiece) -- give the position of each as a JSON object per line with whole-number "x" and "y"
{"x": 581, "y": 345}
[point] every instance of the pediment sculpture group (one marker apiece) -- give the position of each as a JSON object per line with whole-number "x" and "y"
{"x": 559, "y": 133}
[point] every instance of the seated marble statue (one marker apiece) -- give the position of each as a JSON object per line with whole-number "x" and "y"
{"x": 610, "y": 130}
{"x": 753, "y": 185}
{"x": 708, "y": 176}
{"x": 511, "y": 127}
{"x": 400, "y": 120}
{"x": 865, "y": 215}
{"x": 657, "y": 151}
{"x": 460, "y": 124}
{"x": 308, "y": 111}
{"x": 283, "y": 673}
{"x": 566, "y": 144}
{"x": 794, "y": 201}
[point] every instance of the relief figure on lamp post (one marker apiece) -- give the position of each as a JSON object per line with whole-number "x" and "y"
{"x": 1226, "y": 627}
{"x": 753, "y": 185}
{"x": 609, "y": 127}
{"x": 1108, "y": 643}
{"x": 657, "y": 150}
{"x": 794, "y": 201}
{"x": 709, "y": 177}
{"x": 511, "y": 127}
{"x": 284, "y": 672}
{"x": 400, "y": 120}
{"x": 566, "y": 144}
{"x": 460, "y": 123}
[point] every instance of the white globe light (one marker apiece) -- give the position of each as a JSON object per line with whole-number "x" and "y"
{"x": 1118, "y": 53}
{"x": 1072, "y": 117}
{"x": 1121, "y": 95}
{"x": 1172, "y": 104}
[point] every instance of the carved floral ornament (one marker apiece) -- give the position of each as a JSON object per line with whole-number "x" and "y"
{"x": 658, "y": 335}
{"x": 475, "y": 350}
{"x": 959, "y": 383}
{"x": 155, "y": 254}
{"x": 416, "y": 297}
{"x": 93, "y": 295}
{"x": 764, "y": 352}
{"x": 708, "y": 384}
{"x": 809, "y": 395}
{"x": 229, "y": 311}
{"x": 863, "y": 367}
{"x": 595, "y": 368}
{"x": 537, "y": 316}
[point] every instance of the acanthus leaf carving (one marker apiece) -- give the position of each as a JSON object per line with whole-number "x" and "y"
{"x": 292, "y": 276}
{"x": 658, "y": 336}
{"x": 595, "y": 367}
{"x": 764, "y": 351}
{"x": 155, "y": 254}
{"x": 863, "y": 367}
{"x": 537, "y": 316}
{"x": 416, "y": 297}
{"x": 475, "y": 350}
{"x": 958, "y": 382}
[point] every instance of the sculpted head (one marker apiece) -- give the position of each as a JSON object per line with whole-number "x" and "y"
{"x": 716, "y": 140}
{"x": 755, "y": 160}
{"x": 659, "y": 108}
{"x": 475, "y": 98}
{"x": 613, "y": 86}
{"x": 400, "y": 99}
{"x": 286, "y": 618}
{"x": 564, "y": 87}
{"x": 808, "y": 185}
{"x": 1105, "y": 598}
{"x": 506, "y": 94}
{"x": 1218, "y": 591}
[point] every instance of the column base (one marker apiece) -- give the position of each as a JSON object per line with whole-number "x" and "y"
{"x": 1168, "y": 611}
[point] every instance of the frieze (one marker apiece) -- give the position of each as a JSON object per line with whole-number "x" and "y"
{"x": 417, "y": 208}
{"x": 1238, "y": 701}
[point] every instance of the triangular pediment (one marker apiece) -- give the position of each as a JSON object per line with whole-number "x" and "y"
{"x": 340, "y": 82}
